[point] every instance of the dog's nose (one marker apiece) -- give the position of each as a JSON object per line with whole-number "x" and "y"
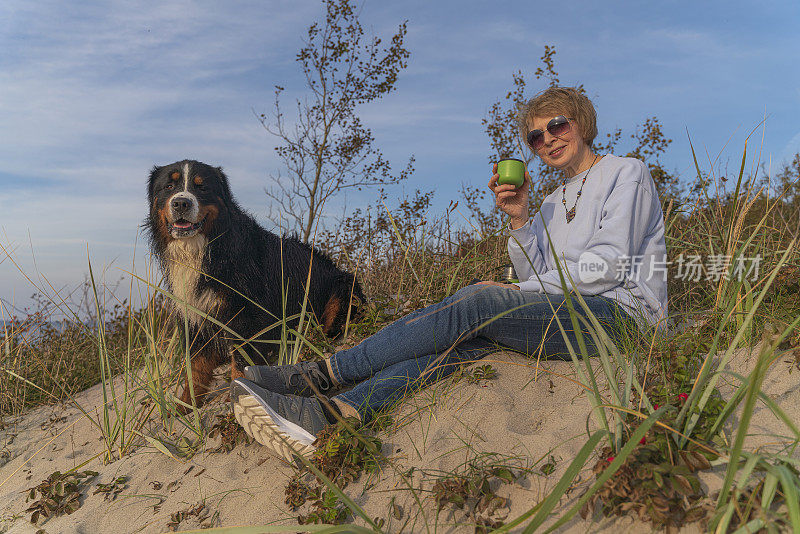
{"x": 181, "y": 204}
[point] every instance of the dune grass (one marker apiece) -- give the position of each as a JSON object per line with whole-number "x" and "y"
{"x": 654, "y": 398}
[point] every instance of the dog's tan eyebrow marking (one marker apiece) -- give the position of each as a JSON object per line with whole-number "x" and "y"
{"x": 198, "y": 180}
{"x": 175, "y": 176}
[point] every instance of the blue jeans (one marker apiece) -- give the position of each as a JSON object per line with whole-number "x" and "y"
{"x": 413, "y": 351}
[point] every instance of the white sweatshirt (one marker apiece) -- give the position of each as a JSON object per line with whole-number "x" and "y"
{"x": 614, "y": 246}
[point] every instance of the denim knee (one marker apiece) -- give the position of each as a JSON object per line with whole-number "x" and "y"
{"x": 477, "y": 295}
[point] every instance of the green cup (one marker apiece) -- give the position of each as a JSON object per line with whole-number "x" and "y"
{"x": 511, "y": 171}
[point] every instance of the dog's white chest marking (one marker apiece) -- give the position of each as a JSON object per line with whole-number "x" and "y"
{"x": 184, "y": 261}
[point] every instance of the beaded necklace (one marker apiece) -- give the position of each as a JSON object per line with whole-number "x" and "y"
{"x": 571, "y": 213}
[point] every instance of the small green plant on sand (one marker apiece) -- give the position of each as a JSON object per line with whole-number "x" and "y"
{"x": 474, "y": 492}
{"x": 549, "y": 467}
{"x": 481, "y": 372}
{"x": 325, "y": 509}
{"x": 199, "y": 512}
{"x": 658, "y": 482}
{"x": 59, "y": 494}
{"x": 230, "y": 433}
{"x": 343, "y": 454}
{"x": 111, "y": 490}
{"x": 652, "y": 488}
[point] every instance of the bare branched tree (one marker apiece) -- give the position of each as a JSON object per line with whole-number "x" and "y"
{"x": 327, "y": 149}
{"x": 505, "y": 141}
{"x": 650, "y": 144}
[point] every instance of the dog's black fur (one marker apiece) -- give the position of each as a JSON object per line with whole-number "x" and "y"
{"x": 215, "y": 257}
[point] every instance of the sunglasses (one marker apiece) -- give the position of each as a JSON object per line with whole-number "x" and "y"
{"x": 557, "y": 127}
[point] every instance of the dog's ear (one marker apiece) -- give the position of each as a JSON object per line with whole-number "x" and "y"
{"x": 151, "y": 181}
{"x": 224, "y": 181}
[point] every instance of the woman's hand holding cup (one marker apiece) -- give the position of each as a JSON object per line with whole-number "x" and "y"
{"x": 511, "y": 200}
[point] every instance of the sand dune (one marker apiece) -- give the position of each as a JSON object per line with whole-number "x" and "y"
{"x": 524, "y": 418}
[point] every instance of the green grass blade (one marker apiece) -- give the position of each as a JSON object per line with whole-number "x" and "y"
{"x": 350, "y": 503}
{"x": 700, "y": 178}
{"x": 768, "y": 491}
{"x": 596, "y": 399}
{"x": 735, "y": 208}
{"x": 736, "y": 399}
{"x": 750, "y": 527}
{"x": 623, "y": 454}
{"x": 454, "y": 275}
{"x": 405, "y": 247}
{"x": 723, "y": 518}
{"x": 543, "y": 509}
{"x": 789, "y": 483}
{"x": 754, "y": 385}
{"x": 747, "y": 470}
{"x": 707, "y": 386}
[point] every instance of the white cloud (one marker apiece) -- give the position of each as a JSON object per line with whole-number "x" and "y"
{"x": 791, "y": 148}
{"x": 92, "y": 94}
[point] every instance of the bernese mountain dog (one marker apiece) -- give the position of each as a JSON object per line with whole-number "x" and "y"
{"x": 219, "y": 262}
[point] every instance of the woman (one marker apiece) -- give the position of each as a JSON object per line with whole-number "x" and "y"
{"x": 606, "y": 227}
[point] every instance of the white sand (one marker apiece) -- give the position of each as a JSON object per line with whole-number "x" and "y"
{"x": 437, "y": 430}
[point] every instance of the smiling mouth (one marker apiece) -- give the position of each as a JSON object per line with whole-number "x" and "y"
{"x": 557, "y": 151}
{"x": 182, "y": 226}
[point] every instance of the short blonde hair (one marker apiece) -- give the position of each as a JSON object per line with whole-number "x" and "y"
{"x": 567, "y": 101}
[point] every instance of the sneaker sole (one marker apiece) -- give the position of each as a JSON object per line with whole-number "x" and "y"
{"x": 268, "y": 428}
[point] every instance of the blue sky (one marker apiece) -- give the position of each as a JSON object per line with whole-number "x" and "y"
{"x": 93, "y": 94}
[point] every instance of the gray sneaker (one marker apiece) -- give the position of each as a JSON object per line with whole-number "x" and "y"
{"x": 287, "y": 424}
{"x": 289, "y": 379}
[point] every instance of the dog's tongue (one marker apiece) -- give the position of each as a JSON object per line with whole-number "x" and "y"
{"x": 182, "y": 225}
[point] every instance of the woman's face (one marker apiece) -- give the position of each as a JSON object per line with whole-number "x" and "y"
{"x": 565, "y": 152}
